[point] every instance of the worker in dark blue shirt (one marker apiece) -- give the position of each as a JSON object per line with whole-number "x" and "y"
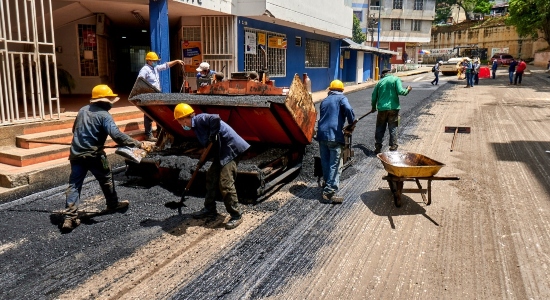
{"x": 90, "y": 130}
{"x": 228, "y": 148}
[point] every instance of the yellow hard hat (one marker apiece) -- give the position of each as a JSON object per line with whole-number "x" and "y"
{"x": 182, "y": 110}
{"x": 102, "y": 91}
{"x": 152, "y": 56}
{"x": 336, "y": 85}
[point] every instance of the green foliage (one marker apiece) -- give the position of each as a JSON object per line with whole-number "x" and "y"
{"x": 358, "y": 35}
{"x": 530, "y": 16}
{"x": 443, "y": 10}
{"x": 483, "y": 6}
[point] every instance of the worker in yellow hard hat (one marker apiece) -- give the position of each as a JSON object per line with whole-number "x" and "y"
{"x": 150, "y": 72}
{"x": 334, "y": 111}
{"x": 226, "y": 151}
{"x": 92, "y": 126}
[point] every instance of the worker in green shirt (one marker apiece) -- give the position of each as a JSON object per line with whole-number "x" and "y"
{"x": 385, "y": 99}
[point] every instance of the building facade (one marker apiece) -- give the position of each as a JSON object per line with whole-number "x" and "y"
{"x": 396, "y": 25}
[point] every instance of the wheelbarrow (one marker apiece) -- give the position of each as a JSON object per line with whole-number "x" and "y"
{"x": 407, "y": 166}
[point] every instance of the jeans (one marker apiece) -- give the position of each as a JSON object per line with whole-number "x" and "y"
{"x": 100, "y": 168}
{"x": 391, "y": 119}
{"x": 511, "y": 76}
{"x": 436, "y": 79}
{"x": 519, "y": 75}
{"x": 148, "y": 124}
{"x": 331, "y": 163}
{"x": 494, "y": 73}
{"x": 220, "y": 184}
{"x": 476, "y": 78}
{"x": 469, "y": 79}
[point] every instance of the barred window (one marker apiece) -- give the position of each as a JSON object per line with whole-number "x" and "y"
{"x": 418, "y": 4}
{"x": 395, "y": 24}
{"x": 317, "y": 54}
{"x": 416, "y": 25}
{"x": 397, "y": 4}
{"x": 274, "y": 44}
{"x": 87, "y": 46}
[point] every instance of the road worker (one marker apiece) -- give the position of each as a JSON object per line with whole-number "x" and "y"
{"x": 205, "y": 76}
{"x": 150, "y": 72}
{"x": 226, "y": 152}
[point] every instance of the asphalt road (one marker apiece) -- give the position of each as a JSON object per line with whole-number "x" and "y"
{"x": 289, "y": 245}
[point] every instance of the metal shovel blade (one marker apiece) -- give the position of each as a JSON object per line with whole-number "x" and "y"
{"x": 132, "y": 154}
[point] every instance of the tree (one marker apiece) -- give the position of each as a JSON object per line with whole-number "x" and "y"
{"x": 530, "y": 16}
{"x": 358, "y": 35}
{"x": 443, "y": 8}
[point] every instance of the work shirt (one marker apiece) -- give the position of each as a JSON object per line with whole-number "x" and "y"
{"x": 468, "y": 67}
{"x": 334, "y": 111}
{"x": 512, "y": 67}
{"x": 204, "y": 80}
{"x": 230, "y": 143}
{"x": 151, "y": 74}
{"x": 90, "y": 130}
{"x": 386, "y": 93}
{"x": 522, "y": 66}
{"x": 495, "y": 65}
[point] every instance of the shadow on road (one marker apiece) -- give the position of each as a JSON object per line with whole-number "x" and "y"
{"x": 380, "y": 202}
{"x": 177, "y": 225}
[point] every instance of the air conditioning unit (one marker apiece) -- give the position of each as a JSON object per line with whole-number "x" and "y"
{"x": 102, "y": 24}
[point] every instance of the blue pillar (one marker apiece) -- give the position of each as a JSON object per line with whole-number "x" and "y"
{"x": 158, "y": 26}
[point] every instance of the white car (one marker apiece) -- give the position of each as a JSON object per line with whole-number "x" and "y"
{"x": 450, "y": 67}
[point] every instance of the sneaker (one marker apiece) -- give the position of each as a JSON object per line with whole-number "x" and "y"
{"x": 233, "y": 222}
{"x": 119, "y": 206}
{"x": 151, "y": 138}
{"x": 394, "y": 148}
{"x": 336, "y": 199}
{"x": 205, "y": 213}
{"x": 432, "y": 83}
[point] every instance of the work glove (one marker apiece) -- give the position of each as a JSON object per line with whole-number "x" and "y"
{"x": 213, "y": 138}
{"x": 147, "y": 146}
{"x": 348, "y": 129}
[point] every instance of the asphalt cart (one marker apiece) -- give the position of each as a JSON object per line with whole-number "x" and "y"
{"x": 407, "y": 166}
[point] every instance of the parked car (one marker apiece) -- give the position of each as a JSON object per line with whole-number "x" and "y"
{"x": 502, "y": 58}
{"x": 450, "y": 67}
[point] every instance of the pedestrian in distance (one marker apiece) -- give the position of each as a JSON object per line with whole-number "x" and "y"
{"x": 468, "y": 69}
{"x": 435, "y": 69}
{"x": 385, "y": 99}
{"x": 91, "y": 127}
{"x": 150, "y": 72}
{"x": 475, "y": 70}
{"x": 227, "y": 149}
{"x": 494, "y": 68}
{"x": 334, "y": 111}
{"x": 519, "y": 71}
{"x": 205, "y": 76}
{"x": 511, "y": 70}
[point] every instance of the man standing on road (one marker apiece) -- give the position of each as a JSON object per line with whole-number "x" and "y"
{"x": 385, "y": 99}
{"x": 468, "y": 68}
{"x": 90, "y": 130}
{"x": 475, "y": 70}
{"x": 227, "y": 149}
{"x": 150, "y": 72}
{"x": 494, "y": 68}
{"x": 519, "y": 72}
{"x": 436, "y": 73}
{"x": 334, "y": 111}
{"x": 511, "y": 70}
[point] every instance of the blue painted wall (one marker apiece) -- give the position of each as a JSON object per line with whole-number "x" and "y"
{"x": 350, "y": 67}
{"x": 367, "y": 66}
{"x": 158, "y": 26}
{"x": 295, "y": 56}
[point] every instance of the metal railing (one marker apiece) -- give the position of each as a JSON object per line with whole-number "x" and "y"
{"x": 28, "y": 70}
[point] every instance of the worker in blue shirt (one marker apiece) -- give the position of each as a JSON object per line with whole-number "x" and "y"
{"x": 334, "y": 111}
{"x": 150, "y": 72}
{"x": 227, "y": 149}
{"x": 90, "y": 130}
{"x": 204, "y": 75}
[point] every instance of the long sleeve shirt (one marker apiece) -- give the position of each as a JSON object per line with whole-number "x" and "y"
{"x": 522, "y": 66}
{"x": 151, "y": 74}
{"x": 386, "y": 93}
{"x": 90, "y": 130}
{"x": 231, "y": 144}
{"x": 334, "y": 111}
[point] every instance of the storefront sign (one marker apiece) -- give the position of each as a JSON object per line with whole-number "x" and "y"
{"x": 500, "y": 50}
{"x": 191, "y": 53}
{"x": 276, "y": 42}
{"x": 250, "y": 43}
{"x": 89, "y": 38}
{"x": 261, "y": 38}
{"x": 441, "y": 51}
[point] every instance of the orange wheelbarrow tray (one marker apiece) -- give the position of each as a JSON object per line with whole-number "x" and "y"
{"x": 408, "y": 166}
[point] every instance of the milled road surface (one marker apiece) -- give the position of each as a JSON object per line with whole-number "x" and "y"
{"x": 484, "y": 237}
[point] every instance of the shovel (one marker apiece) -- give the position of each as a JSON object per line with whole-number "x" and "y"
{"x": 351, "y": 127}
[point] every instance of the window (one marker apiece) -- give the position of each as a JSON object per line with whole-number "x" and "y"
{"x": 358, "y": 14}
{"x": 87, "y": 46}
{"x": 397, "y": 4}
{"x": 395, "y": 24}
{"x": 418, "y": 4}
{"x": 415, "y": 25}
{"x": 317, "y": 54}
{"x": 275, "y": 50}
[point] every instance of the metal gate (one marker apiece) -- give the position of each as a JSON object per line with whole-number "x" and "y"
{"x": 218, "y": 42}
{"x": 28, "y": 69}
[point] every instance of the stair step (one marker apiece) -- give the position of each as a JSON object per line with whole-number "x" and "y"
{"x": 66, "y": 135}
{"x": 21, "y": 157}
{"x": 118, "y": 113}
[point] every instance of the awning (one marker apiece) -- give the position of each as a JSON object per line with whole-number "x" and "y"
{"x": 354, "y": 46}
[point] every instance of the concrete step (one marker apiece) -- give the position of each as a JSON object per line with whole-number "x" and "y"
{"x": 21, "y": 157}
{"x": 66, "y": 135}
